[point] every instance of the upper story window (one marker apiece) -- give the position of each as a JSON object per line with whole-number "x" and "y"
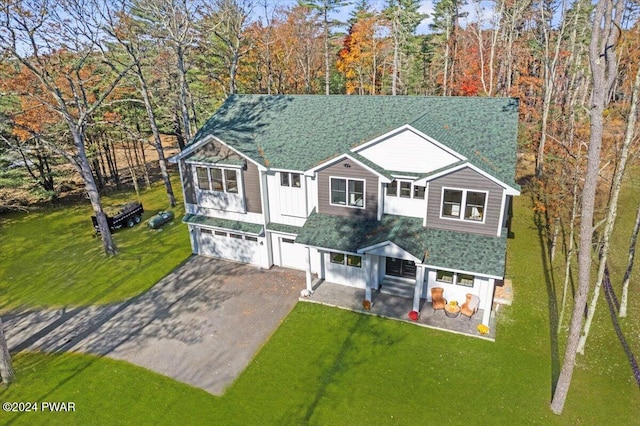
{"x": 217, "y": 179}
{"x": 290, "y": 179}
{"x": 463, "y": 204}
{"x": 405, "y": 189}
{"x": 347, "y": 192}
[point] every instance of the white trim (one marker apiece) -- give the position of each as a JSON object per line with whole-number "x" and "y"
{"x": 210, "y": 138}
{"x": 403, "y": 177}
{"x": 334, "y": 160}
{"x": 381, "y": 192}
{"x": 426, "y": 199}
{"x": 218, "y": 165}
{"x": 364, "y": 192}
{"x": 502, "y": 207}
{"x": 461, "y": 271}
{"x": 273, "y": 169}
{"x": 509, "y": 189}
{"x": 463, "y": 204}
{"x": 414, "y": 130}
{"x": 366, "y": 250}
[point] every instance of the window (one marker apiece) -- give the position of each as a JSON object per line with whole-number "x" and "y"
{"x": 231, "y": 178}
{"x": 449, "y": 277}
{"x": 248, "y": 238}
{"x": 203, "y": 177}
{"x": 444, "y": 276}
{"x": 236, "y": 236}
{"x": 221, "y": 234}
{"x": 205, "y": 231}
{"x": 474, "y": 203}
{"x": 288, "y": 240}
{"x": 465, "y": 280}
{"x": 356, "y": 193}
{"x": 336, "y": 258}
{"x": 290, "y": 179}
{"x": 338, "y": 191}
{"x": 451, "y": 203}
{"x": 392, "y": 188}
{"x": 405, "y": 189}
{"x": 355, "y": 261}
{"x": 217, "y": 179}
{"x": 347, "y": 192}
{"x": 295, "y": 180}
{"x": 474, "y": 207}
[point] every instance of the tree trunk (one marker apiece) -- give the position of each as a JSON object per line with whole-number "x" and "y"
{"x": 627, "y": 273}
{"x": 602, "y": 62}
{"x": 6, "y": 368}
{"x": 184, "y": 108}
{"x": 92, "y": 191}
{"x": 613, "y": 207}
{"x": 327, "y": 73}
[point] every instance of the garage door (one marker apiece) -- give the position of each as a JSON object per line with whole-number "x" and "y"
{"x": 229, "y": 245}
{"x": 292, "y": 255}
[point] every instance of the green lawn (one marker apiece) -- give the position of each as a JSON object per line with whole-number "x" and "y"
{"x": 51, "y": 258}
{"x": 329, "y": 366}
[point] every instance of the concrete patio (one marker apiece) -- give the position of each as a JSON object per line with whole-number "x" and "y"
{"x": 397, "y": 308}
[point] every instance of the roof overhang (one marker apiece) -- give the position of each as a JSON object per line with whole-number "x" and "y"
{"x": 389, "y": 249}
{"x": 341, "y": 157}
{"x": 459, "y": 166}
{"x": 190, "y": 149}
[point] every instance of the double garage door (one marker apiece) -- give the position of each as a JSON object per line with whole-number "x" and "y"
{"x": 229, "y": 245}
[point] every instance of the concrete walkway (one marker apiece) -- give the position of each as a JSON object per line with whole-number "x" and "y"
{"x": 200, "y": 325}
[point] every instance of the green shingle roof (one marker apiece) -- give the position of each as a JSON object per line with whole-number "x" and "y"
{"x": 281, "y": 227}
{"x": 440, "y": 248}
{"x": 233, "y": 225}
{"x": 298, "y": 132}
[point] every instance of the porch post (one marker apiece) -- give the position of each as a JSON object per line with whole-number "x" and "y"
{"x": 367, "y": 263}
{"x": 321, "y": 271}
{"x": 486, "y": 316}
{"x": 417, "y": 290}
{"x": 308, "y": 270}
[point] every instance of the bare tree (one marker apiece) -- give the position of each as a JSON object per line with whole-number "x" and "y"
{"x": 627, "y": 273}
{"x": 602, "y": 60}
{"x": 173, "y": 21}
{"x": 613, "y": 207}
{"x": 124, "y": 29}
{"x": 6, "y": 368}
{"x": 61, "y": 45}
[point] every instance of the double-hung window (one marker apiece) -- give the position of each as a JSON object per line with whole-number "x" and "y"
{"x": 463, "y": 204}
{"x": 347, "y": 192}
{"x": 217, "y": 179}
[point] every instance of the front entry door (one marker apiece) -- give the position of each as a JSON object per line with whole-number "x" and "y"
{"x": 400, "y": 268}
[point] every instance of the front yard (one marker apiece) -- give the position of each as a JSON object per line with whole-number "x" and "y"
{"x": 323, "y": 365}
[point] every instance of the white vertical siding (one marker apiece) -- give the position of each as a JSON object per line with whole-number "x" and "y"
{"x": 409, "y": 152}
{"x": 405, "y": 206}
{"x": 287, "y": 205}
{"x": 346, "y": 275}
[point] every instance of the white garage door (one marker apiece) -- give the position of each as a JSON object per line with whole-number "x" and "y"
{"x": 229, "y": 245}
{"x": 292, "y": 255}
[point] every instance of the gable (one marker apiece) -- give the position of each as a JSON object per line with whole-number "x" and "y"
{"x": 405, "y": 150}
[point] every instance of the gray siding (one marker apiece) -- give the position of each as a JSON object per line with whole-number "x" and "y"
{"x": 252, "y": 188}
{"x": 251, "y": 176}
{"x": 354, "y": 170}
{"x": 470, "y": 180}
{"x": 187, "y": 182}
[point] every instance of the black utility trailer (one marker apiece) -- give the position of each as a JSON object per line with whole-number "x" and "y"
{"x": 128, "y": 215}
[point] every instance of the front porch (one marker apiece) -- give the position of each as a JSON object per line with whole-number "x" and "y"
{"x": 397, "y": 308}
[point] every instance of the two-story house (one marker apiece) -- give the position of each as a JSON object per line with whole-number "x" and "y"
{"x": 367, "y": 191}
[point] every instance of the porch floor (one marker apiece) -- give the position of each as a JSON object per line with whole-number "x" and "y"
{"x": 398, "y": 308}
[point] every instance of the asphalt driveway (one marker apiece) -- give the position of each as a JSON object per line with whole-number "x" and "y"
{"x": 200, "y": 325}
